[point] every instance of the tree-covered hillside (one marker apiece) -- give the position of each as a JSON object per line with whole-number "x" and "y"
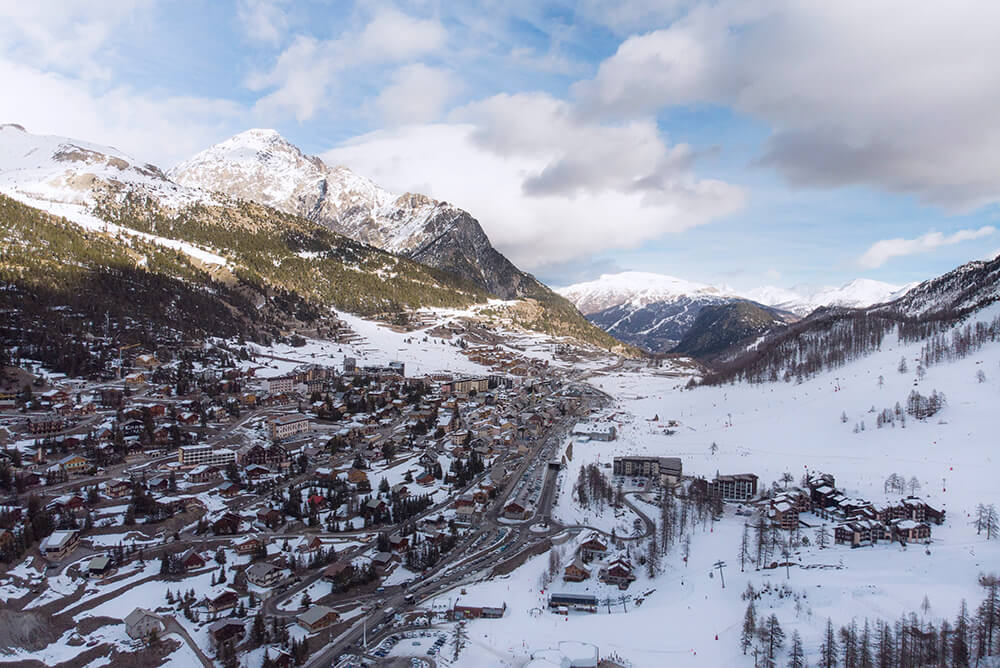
{"x": 271, "y": 249}
{"x": 279, "y": 269}
{"x": 60, "y": 284}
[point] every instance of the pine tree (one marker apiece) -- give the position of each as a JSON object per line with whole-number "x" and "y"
{"x": 991, "y": 522}
{"x": 667, "y": 516}
{"x": 849, "y": 644}
{"x": 749, "y": 627}
{"x": 989, "y": 612}
{"x": 797, "y": 655}
{"x": 258, "y": 631}
{"x": 865, "y": 658}
{"x": 980, "y": 521}
{"x": 828, "y": 648}
{"x": 822, "y": 537}
{"x": 960, "y": 641}
{"x": 884, "y": 646}
{"x": 762, "y": 542}
{"x": 745, "y": 547}
{"x": 774, "y": 638}
{"x": 653, "y": 554}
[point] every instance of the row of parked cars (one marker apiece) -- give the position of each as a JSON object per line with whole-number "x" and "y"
{"x": 436, "y": 647}
{"x": 386, "y": 645}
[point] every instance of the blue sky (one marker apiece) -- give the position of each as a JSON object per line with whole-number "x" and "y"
{"x": 776, "y": 143}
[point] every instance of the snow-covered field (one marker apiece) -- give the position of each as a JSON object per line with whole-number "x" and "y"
{"x": 689, "y": 619}
{"x": 379, "y": 345}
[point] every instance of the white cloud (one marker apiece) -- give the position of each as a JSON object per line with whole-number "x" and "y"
{"x": 263, "y": 20}
{"x": 394, "y": 36}
{"x": 54, "y": 60}
{"x": 578, "y": 156}
{"x": 159, "y": 129}
{"x": 892, "y": 94}
{"x": 416, "y": 94}
{"x": 63, "y": 34}
{"x": 550, "y": 62}
{"x": 882, "y": 251}
{"x": 486, "y": 159}
{"x": 303, "y": 76}
{"x": 300, "y": 78}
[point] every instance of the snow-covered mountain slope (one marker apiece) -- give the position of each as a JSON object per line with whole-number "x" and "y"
{"x": 655, "y": 311}
{"x": 652, "y": 311}
{"x": 637, "y": 289}
{"x": 967, "y": 288}
{"x": 859, "y": 293}
{"x": 48, "y": 168}
{"x": 831, "y": 337}
{"x": 642, "y": 288}
{"x": 106, "y": 191}
{"x": 63, "y": 176}
{"x": 261, "y": 166}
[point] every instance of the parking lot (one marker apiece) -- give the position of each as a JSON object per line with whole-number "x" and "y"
{"x": 416, "y": 644}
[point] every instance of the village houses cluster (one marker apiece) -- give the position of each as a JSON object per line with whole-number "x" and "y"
{"x": 271, "y": 467}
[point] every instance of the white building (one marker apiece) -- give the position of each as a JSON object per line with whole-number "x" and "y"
{"x": 57, "y": 545}
{"x": 289, "y": 425}
{"x": 141, "y": 623}
{"x": 194, "y": 455}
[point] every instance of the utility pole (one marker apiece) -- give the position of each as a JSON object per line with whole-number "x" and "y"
{"x": 720, "y": 565}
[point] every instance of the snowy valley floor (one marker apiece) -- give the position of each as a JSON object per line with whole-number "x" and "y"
{"x": 770, "y": 429}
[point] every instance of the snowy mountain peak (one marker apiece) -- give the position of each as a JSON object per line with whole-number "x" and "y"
{"x": 262, "y": 166}
{"x": 802, "y": 300}
{"x": 264, "y": 134}
{"x": 50, "y": 168}
{"x": 636, "y": 288}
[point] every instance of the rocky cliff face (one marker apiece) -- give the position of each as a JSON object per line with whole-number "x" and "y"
{"x": 261, "y": 166}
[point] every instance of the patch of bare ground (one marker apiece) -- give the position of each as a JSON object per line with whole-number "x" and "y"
{"x": 88, "y": 625}
{"x": 32, "y": 631}
{"x": 146, "y": 657}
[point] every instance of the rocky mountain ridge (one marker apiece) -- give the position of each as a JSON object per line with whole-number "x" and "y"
{"x": 262, "y": 166}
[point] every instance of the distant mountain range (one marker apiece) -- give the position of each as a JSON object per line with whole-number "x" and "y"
{"x": 656, "y": 312}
